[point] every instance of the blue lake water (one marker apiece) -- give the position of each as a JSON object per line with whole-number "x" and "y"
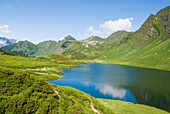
{"x": 109, "y": 81}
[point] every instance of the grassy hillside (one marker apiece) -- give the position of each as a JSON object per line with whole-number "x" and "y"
{"x": 24, "y": 93}
{"x": 75, "y": 101}
{"x": 81, "y": 50}
{"x": 24, "y": 89}
{"x": 116, "y": 37}
{"x": 46, "y": 48}
{"x": 22, "y": 47}
{"x": 147, "y": 47}
{"x": 154, "y": 54}
{"x": 122, "y": 107}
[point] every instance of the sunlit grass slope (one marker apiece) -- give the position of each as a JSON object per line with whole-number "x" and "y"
{"x": 122, "y": 107}
{"x": 24, "y": 89}
{"x": 148, "y": 47}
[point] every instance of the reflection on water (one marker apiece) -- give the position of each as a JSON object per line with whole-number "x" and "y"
{"x": 118, "y": 82}
{"x": 112, "y": 91}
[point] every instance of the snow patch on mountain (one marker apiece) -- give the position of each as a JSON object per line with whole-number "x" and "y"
{"x": 5, "y": 41}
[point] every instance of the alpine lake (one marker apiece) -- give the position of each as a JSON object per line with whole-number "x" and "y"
{"x": 109, "y": 81}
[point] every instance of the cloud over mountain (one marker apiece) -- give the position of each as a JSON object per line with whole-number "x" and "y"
{"x": 4, "y": 29}
{"x": 111, "y": 26}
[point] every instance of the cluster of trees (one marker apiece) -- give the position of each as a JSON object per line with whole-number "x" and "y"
{"x": 3, "y": 52}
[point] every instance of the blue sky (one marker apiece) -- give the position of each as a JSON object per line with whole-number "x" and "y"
{"x": 39, "y": 20}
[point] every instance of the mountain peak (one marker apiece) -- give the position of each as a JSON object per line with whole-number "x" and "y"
{"x": 164, "y": 11}
{"x": 69, "y": 37}
{"x": 94, "y": 38}
{"x": 116, "y": 37}
{"x": 164, "y": 18}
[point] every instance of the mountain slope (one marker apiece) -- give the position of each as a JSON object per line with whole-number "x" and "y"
{"x": 46, "y": 48}
{"x": 67, "y": 41}
{"x": 23, "y": 47}
{"x": 147, "y": 47}
{"x": 116, "y": 37}
{"x": 93, "y": 47}
{"x": 43, "y": 48}
{"x": 93, "y": 40}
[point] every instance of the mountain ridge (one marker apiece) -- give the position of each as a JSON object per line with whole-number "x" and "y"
{"x": 147, "y": 47}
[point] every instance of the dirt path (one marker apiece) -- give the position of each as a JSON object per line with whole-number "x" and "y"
{"x": 89, "y": 99}
{"x": 57, "y": 93}
{"x": 92, "y": 106}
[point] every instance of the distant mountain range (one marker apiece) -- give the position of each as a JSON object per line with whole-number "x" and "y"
{"x": 5, "y": 41}
{"x": 49, "y": 47}
{"x": 43, "y": 48}
{"x": 149, "y": 46}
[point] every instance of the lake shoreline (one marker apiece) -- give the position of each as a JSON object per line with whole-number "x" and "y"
{"x": 114, "y": 64}
{"x": 125, "y": 64}
{"x": 139, "y": 67}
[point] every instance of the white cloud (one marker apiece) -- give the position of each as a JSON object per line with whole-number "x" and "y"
{"x": 111, "y": 26}
{"x": 5, "y": 29}
{"x": 10, "y": 6}
{"x": 60, "y": 39}
{"x": 91, "y": 30}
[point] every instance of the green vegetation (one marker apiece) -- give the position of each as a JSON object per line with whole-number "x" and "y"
{"x": 23, "y": 79}
{"x": 43, "y": 48}
{"x": 147, "y": 47}
{"x": 24, "y": 89}
{"x": 69, "y": 37}
{"x": 3, "y": 52}
{"x": 22, "y": 47}
{"x": 130, "y": 108}
{"x": 45, "y": 67}
{"x": 116, "y": 37}
{"x": 74, "y": 101}
{"x": 93, "y": 40}
{"x": 24, "y": 93}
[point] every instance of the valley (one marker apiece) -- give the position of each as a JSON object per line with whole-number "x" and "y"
{"x": 126, "y": 72}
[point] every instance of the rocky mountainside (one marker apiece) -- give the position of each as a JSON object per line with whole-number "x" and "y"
{"x": 5, "y": 41}
{"x": 93, "y": 40}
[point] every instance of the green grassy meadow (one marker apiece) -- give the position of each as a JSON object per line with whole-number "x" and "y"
{"x": 130, "y": 108}
{"x": 24, "y": 88}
